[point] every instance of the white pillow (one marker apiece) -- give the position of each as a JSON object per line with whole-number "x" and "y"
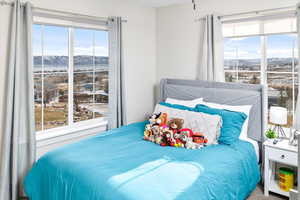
{"x": 188, "y": 103}
{"x": 245, "y": 109}
{"x": 209, "y": 125}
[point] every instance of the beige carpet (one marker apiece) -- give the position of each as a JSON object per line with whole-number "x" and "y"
{"x": 258, "y": 194}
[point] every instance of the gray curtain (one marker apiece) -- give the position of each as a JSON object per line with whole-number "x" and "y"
{"x": 18, "y": 141}
{"x": 211, "y": 63}
{"x": 296, "y": 124}
{"x": 117, "y": 102}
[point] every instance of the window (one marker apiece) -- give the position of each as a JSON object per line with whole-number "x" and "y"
{"x": 70, "y": 75}
{"x": 242, "y": 61}
{"x": 264, "y": 52}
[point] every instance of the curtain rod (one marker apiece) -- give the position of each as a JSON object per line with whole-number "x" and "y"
{"x": 258, "y": 11}
{"x": 2, "y": 3}
{"x": 251, "y": 12}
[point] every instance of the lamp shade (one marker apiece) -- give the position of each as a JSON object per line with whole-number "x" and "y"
{"x": 278, "y": 115}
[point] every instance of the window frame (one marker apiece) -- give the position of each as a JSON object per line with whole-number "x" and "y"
{"x": 264, "y": 63}
{"x": 72, "y": 126}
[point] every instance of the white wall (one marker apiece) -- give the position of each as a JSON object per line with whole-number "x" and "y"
{"x": 178, "y": 33}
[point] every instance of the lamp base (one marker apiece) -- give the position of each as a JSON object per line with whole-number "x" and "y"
{"x": 280, "y": 132}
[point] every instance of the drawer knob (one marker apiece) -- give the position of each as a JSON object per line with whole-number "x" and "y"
{"x": 282, "y": 156}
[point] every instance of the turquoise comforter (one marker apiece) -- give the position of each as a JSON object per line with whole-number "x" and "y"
{"x": 120, "y": 165}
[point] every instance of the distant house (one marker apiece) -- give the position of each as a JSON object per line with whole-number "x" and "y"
{"x": 88, "y": 86}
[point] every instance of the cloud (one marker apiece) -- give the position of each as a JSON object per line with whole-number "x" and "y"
{"x": 99, "y": 50}
{"x": 230, "y": 53}
{"x": 292, "y": 35}
{"x": 281, "y": 53}
{"x": 51, "y": 52}
{"x": 242, "y": 54}
{"x": 238, "y": 38}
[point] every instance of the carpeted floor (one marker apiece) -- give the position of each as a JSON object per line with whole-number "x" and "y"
{"x": 258, "y": 194}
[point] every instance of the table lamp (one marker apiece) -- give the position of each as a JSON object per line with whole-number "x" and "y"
{"x": 278, "y": 117}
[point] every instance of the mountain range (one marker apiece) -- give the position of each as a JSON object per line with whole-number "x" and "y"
{"x": 64, "y": 60}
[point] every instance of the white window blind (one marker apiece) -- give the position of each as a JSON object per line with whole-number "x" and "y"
{"x": 67, "y": 21}
{"x": 241, "y": 29}
{"x": 257, "y": 26}
{"x": 287, "y": 25}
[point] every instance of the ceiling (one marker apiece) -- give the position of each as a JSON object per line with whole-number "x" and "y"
{"x": 161, "y": 3}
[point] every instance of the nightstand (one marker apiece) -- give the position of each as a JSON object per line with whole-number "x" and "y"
{"x": 282, "y": 153}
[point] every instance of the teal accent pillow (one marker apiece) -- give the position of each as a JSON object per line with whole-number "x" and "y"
{"x": 232, "y": 121}
{"x": 177, "y": 106}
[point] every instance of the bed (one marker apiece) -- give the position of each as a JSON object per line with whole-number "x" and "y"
{"x": 119, "y": 164}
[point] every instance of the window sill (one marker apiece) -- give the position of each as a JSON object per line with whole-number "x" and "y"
{"x": 82, "y": 129}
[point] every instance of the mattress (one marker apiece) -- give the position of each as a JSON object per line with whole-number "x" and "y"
{"x": 119, "y": 164}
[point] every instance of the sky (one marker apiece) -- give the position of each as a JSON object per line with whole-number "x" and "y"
{"x": 56, "y": 41}
{"x": 278, "y": 46}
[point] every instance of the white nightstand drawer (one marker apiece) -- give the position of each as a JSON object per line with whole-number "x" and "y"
{"x": 279, "y": 155}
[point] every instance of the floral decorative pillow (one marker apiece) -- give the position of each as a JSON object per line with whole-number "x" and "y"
{"x": 165, "y": 130}
{"x": 207, "y": 124}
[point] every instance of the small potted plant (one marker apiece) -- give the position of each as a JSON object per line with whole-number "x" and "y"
{"x": 270, "y": 134}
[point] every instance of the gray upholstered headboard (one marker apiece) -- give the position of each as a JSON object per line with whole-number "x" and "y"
{"x": 223, "y": 93}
